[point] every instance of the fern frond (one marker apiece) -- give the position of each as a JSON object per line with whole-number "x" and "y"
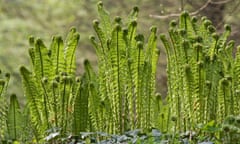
{"x": 3, "y": 104}
{"x": 42, "y": 63}
{"x": 31, "y": 50}
{"x": 236, "y": 78}
{"x": 65, "y": 89}
{"x": 14, "y": 120}
{"x": 133, "y": 14}
{"x": 69, "y": 51}
{"x": 223, "y": 99}
{"x": 4, "y": 84}
{"x": 131, "y": 42}
{"x": 117, "y": 47}
{"x": 152, "y": 53}
{"x": 95, "y": 109}
{"x": 34, "y": 100}
{"x": 105, "y": 19}
{"x": 185, "y": 23}
{"x": 138, "y": 76}
{"x": 101, "y": 36}
{"x": 80, "y": 113}
{"x": 57, "y": 56}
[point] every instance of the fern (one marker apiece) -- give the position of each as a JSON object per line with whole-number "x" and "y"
{"x": 14, "y": 120}
{"x": 106, "y": 21}
{"x": 41, "y": 60}
{"x": 199, "y": 94}
{"x": 126, "y": 74}
{"x": 57, "y": 55}
{"x": 34, "y": 100}
{"x": 71, "y": 45}
{"x": 50, "y": 88}
{"x": 4, "y": 80}
{"x": 81, "y": 107}
{"x": 236, "y": 77}
{"x": 98, "y": 120}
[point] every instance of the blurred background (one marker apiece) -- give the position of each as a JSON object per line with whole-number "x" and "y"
{"x": 20, "y": 19}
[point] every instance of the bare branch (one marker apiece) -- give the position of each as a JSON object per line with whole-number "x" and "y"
{"x": 221, "y": 2}
{"x": 192, "y": 13}
{"x": 201, "y": 8}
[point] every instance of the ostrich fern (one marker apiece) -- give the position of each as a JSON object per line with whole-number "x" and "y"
{"x": 3, "y": 104}
{"x": 11, "y": 121}
{"x": 203, "y": 81}
{"x": 202, "y": 73}
{"x": 56, "y": 97}
{"x": 126, "y": 73}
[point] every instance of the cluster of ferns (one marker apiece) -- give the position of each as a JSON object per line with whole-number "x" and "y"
{"x": 203, "y": 81}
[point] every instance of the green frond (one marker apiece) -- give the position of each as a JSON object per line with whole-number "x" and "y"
{"x": 14, "y": 120}
{"x": 236, "y": 78}
{"x": 190, "y": 90}
{"x": 138, "y": 76}
{"x": 4, "y": 84}
{"x": 95, "y": 110}
{"x": 224, "y": 99}
{"x": 130, "y": 40}
{"x": 65, "y": 109}
{"x": 42, "y": 63}
{"x": 102, "y": 47}
{"x": 105, "y": 19}
{"x": 185, "y": 23}
{"x": 91, "y": 75}
{"x": 133, "y": 14}
{"x": 57, "y": 56}
{"x": 95, "y": 45}
{"x": 32, "y": 56}
{"x": 203, "y": 31}
{"x": 55, "y": 102}
{"x": 34, "y": 99}
{"x": 4, "y": 80}
{"x": 226, "y": 33}
{"x": 69, "y": 51}
{"x": 80, "y": 113}
{"x": 31, "y": 50}
{"x": 152, "y": 53}
{"x": 117, "y": 49}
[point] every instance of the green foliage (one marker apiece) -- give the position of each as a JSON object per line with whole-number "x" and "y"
{"x": 11, "y": 120}
{"x": 126, "y": 74}
{"x": 14, "y": 118}
{"x": 116, "y": 98}
{"x": 54, "y": 98}
{"x": 202, "y": 73}
{"x": 203, "y": 83}
{"x": 4, "y": 80}
{"x": 21, "y": 18}
{"x": 231, "y": 129}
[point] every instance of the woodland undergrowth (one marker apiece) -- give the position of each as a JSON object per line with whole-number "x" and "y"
{"x": 203, "y": 86}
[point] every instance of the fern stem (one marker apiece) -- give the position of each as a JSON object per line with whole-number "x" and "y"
{"x": 54, "y": 85}
{"x": 119, "y": 83}
{"x": 45, "y": 101}
{"x": 63, "y": 124}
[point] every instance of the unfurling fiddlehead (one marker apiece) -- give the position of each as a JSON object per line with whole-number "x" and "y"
{"x": 126, "y": 72}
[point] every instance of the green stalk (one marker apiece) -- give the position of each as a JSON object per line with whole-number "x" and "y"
{"x": 54, "y": 86}
{"x": 139, "y": 96}
{"x": 118, "y": 28}
{"x": 45, "y": 101}
{"x": 64, "y": 125}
